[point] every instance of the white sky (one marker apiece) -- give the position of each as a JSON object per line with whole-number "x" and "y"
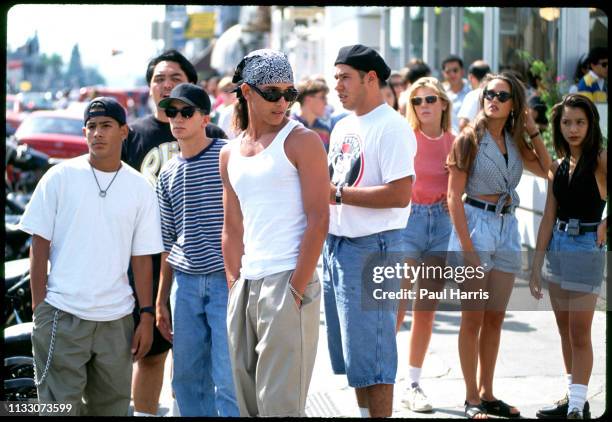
{"x": 98, "y": 29}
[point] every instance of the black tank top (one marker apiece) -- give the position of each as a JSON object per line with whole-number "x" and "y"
{"x": 579, "y": 198}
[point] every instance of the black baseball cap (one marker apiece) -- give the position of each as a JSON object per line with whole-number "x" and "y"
{"x": 363, "y": 58}
{"x": 105, "y": 106}
{"x": 190, "y": 94}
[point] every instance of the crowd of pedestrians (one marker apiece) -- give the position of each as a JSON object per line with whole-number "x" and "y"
{"x": 207, "y": 245}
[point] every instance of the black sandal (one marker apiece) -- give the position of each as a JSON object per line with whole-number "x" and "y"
{"x": 499, "y": 408}
{"x": 471, "y": 410}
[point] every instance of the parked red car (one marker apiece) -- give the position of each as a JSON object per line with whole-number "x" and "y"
{"x": 13, "y": 116}
{"x": 57, "y": 133}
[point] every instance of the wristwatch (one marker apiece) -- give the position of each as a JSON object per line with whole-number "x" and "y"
{"x": 149, "y": 309}
{"x": 339, "y": 188}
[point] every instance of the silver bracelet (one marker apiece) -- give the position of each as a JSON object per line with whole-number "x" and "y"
{"x": 295, "y": 292}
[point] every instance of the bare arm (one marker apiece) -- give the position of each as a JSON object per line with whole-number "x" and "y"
{"x": 548, "y": 221}
{"x": 536, "y": 160}
{"x": 232, "y": 244}
{"x": 142, "y": 266}
{"x": 39, "y": 256}
{"x": 544, "y": 235}
{"x": 165, "y": 280}
{"x": 162, "y": 313}
{"x": 305, "y": 150}
{"x": 601, "y": 175}
{"x": 457, "y": 181}
{"x": 395, "y": 194}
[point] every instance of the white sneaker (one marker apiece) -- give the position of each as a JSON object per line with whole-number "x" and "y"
{"x": 415, "y": 400}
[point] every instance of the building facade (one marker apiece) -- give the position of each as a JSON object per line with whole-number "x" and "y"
{"x": 311, "y": 36}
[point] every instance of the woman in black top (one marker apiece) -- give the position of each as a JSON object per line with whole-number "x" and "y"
{"x": 574, "y": 236}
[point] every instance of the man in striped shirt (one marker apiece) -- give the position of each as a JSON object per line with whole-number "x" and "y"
{"x": 190, "y": 192}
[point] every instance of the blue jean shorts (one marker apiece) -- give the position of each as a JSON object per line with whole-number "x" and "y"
{"x": 576, "y": 263}
{"x": 427, "y": 231}
{"x": 495, "y": 237}
{"x": 361, "y": 340}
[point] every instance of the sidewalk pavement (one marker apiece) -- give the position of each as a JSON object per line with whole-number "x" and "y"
{"x": 529, "y": 372}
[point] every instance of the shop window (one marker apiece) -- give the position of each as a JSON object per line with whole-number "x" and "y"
{"x": 473, "y": 23}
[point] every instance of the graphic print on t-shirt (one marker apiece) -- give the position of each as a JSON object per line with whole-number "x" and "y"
{"x": 346, "y": 161}
{"x": 156, "y": 158}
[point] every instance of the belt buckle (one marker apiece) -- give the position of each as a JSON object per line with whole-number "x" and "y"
{"x": 573, "y": 227}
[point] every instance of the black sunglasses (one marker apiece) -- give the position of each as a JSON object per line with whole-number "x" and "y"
{"x": 603, "y": 64}
{"x": 273, "y": 95}
{"x": 186, "y": 112}
{"x": 429, "y": 99}
{"x": 502, "y": 96}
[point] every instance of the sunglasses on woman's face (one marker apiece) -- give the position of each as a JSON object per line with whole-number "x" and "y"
{"x": 273, "y": 95}
{"x": 502, "y": 96}
{"x": 186, "y": 112}
{"x": 429, "y": 99}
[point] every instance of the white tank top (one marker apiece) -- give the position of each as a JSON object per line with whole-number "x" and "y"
{"x": 268, "y": 188}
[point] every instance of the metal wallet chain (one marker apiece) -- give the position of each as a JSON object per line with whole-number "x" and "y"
{"x": 50, "y": 354}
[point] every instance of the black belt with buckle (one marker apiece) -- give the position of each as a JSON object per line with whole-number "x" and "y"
{"x": 507, "y": 209}
{"x": 574, "y": 227}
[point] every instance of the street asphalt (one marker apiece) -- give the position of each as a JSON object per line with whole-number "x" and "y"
{"x": 529, "y": 372}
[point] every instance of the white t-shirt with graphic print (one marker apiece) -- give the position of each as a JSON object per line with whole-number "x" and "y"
{"x": 370, "y": 150}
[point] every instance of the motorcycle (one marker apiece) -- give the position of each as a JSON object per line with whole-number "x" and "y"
{"x": 18, "y": 370}
{"x": 24, "y": 168}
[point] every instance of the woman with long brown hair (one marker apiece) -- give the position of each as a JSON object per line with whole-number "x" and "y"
{"x": 486, "y": 163}
{"x": 574, "y": 236}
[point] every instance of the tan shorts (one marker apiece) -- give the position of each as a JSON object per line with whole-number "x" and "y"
{"x": 91, "y": 363}
{"x": 272, "y": 344}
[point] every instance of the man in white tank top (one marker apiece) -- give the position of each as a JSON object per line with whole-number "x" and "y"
{"x": 276, "y": 217}
{"x": 371, "y": 159}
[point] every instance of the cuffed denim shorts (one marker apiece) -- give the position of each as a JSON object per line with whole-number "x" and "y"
{"x": 576, "y": 263}
{"x": 495, "y": 237}
{"x": 361, "y": 340}
{"x": 427, "y": 231}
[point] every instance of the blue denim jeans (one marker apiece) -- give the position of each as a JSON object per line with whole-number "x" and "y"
{"x": 496, "y": 239}
{"x": 576, "y": 263}
{"x": 361, "y": 341}
{"x": 202, "y": 377}
{"x": 427, "y": 231}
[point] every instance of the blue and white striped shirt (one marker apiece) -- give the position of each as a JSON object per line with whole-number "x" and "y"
{"x": 190, "y": 194}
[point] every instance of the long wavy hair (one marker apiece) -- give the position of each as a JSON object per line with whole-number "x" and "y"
{"x": 466, "y": 143}
{"x": 592, "y": 144}
{"x": 240, "y": 118}
{"x": 435, "y": 85}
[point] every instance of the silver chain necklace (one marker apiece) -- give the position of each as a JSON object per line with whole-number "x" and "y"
{"x": 102, "y": 193}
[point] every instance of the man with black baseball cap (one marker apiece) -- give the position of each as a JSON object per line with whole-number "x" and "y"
{"x": 102, "y": 211}
{"x": 150, "y": 144}
{"x": 190, "y": 195}
{"x": 371, "y": 162}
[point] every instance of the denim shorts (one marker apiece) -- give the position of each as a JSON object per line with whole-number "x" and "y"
{"x": 576, "y": 263}
{"x": 427, "y": 231}
{"x": 361, "y": 340}
{"x": 495, "y": 237}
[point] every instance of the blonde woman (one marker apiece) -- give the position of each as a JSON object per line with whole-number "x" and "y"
{"x": 428, "y": 229}
{"x": 486, "y": 162}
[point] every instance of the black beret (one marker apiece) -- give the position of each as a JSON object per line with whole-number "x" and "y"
{"x": 363, "y": 58}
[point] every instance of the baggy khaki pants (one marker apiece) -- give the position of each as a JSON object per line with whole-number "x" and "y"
{"x": 91, "y": 365}
{"x": 272, "y": 344}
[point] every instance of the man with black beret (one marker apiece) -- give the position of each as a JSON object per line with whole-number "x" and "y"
{"x": 371, "y": 162}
